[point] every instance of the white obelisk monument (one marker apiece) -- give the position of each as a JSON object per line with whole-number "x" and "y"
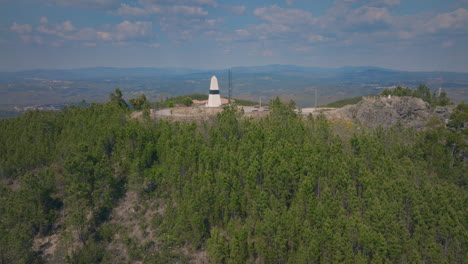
{"x": 214, "y": 100}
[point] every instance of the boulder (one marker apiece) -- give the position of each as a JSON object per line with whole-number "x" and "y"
{"x": 386, "y": 112}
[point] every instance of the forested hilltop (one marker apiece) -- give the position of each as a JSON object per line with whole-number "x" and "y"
{"x": 90, "y": 185}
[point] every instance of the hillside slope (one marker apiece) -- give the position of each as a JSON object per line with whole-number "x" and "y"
{"x": 90, "y": 185}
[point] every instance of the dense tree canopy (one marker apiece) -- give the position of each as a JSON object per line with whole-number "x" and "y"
{"x": 117, "y": 98}
{"x": 282, "y": 189}
{"x": 139, "y": 103}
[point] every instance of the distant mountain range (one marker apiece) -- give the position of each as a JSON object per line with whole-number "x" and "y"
{"x": 287, "y": 81}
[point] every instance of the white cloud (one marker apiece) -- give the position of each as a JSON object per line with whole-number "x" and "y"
{"x": 188, "y": 28}
{"x": 302, "y": 48}
{"x": 236, "y": 9}
{"x": 279, "y": 24}
{"x": 21, "y": 29}
{"x": 132, "y": 30}
{"x": 106, "y": 36}
{"x": 120, "y": 43}
{"x": 314, "y": 38}
{"x": 405, "y": 35}
{"x": 98, "y": 4}
{"x": 453, "y": 23}
{"x": 32, "y": 39}
{"x": 131, "y": 11}
{"x": 67, "y": 26}
{"x": 191, "y": 11}
{"x": 267, "y": 53}
{"x": 354, "y": 23}
{"x": 277, "y": 15}
{"x": 447, "y": 44}
{"x": 153, "y": 45}
{"x": 125, "y": 31}
{"x": 368, "y": 16}
{"x": 60, "y": 29}
{"x": 84, "y": 34}
{"x": 242, "y": 32}
{"x": 373, "y": 3}
{"x": 392, "y": 2}
{"x": 457, "y": 19}
{"x": 180, "y": 19}
{"x": 212, "y": 3}
{"x": 373, "y": 15}
{"x": 56, "y": 44}
{"x": 347, "y": 22}
{"x": 343, "y": 18}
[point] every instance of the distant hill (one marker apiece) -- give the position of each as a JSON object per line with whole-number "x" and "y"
{"x": 290, "y": 82}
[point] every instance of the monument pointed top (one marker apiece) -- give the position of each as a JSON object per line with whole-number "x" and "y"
{"x": 214, "y": 83}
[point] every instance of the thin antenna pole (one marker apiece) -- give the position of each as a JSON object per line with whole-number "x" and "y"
{"x": 441, "y": 81}
{"x": 316, "y": 98}
{"x": 230, "y": 85}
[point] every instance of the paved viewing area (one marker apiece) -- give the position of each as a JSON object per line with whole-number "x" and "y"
{"x": 203, "y": 111}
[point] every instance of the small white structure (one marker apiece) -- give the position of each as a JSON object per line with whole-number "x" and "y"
{"x": 214, "y": 99}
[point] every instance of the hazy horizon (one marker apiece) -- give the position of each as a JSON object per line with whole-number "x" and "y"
{"x": 226, "y": 68}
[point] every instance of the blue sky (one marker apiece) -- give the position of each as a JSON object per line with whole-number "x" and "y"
{"x": 417, "y": 35}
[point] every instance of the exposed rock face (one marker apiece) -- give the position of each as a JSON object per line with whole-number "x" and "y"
{"x": 386, "y": 112}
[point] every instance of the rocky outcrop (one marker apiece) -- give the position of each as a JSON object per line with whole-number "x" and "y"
{"x": 386, "y": 112}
